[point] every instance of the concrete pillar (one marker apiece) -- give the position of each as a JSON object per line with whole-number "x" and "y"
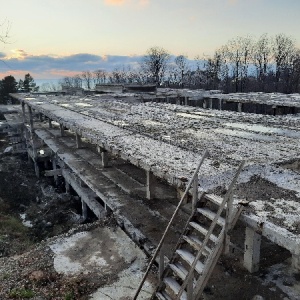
{"x": 25, "y": 130}
{"x": 220, "y": 104}
{"x": 104, "y": 156}
{"x": 210, "y": 103}
{"x": 296, "y": 262}
{"x": 41, "y": 117}
{"x": 30, "y": 118}
{"x": 78, "y": 141}
{"x": 150, "y": 185}
{"x": 54, "y": 167}
{"x": 240, "y": 107}
{"x": 67, "y": 186}
{"x": 252, "y": 250}
{"x": 61, "y": 127}
{"x": 50, "y": 123}
{"x": 186, "y": 100}
{"x": 205, "y": 103}
{"x": 84, "y": 209}
{"x": 195, "y": 191}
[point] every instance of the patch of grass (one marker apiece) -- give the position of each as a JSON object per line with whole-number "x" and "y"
{"x": 69, "y": 296}
{"x": 12, "y": 225}
{"x": 21, "y": 293}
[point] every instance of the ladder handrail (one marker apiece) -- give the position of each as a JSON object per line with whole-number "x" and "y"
{"x": 211, "y": 228}
{"x": 169, "y": 225}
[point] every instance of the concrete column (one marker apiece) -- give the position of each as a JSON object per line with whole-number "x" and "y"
{"x": 220, "y": 104}
{"x": 186, "y": 100}
{"x": 204, "y": 103}
{"x": 296, "y": 262}
{"x": 50, "y": 123}
{"x": 210, "y": 103}
{"x": 240, "y": 107}
{"x": 78, "y": 141}
{"x": 150, "y": 185}
{"x": 41, "y": 117}
{"x": 67, "y": 186}
{"x": 61, "y": 127}
{"x": 84, "y": 209}
{"x": 30, "y": 118}
{"x": 104, "y": 156}
{"x": 25, "y": 130}
{"x": 54, "y": 167}
{"x": 252, "y": 250}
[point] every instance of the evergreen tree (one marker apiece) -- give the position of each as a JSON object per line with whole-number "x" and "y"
{"x": 7, "y": 85}
{"x": 28, "y": 85}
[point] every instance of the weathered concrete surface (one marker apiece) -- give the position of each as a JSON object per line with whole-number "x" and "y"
{"x": 105, "y": 250}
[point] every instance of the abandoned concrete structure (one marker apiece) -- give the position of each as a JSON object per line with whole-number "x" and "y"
{"x": 136, "y": 159}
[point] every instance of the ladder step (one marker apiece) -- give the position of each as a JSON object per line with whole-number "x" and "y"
{"x": 189, "y": 258}
{"x": 211, "y": 215}
{"x": 179, "y": 270}
{"x": 202, "y": 230}
{"x": 214, "y": 199}
{"x": 175, "y": 287}
{"x": 196, "y": 244}
{"x": 163, "y": 296}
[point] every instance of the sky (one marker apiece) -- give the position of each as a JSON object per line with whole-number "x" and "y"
{"x": 55, "y": 38}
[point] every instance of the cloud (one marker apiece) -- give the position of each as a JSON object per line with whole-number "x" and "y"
{"x": 50, "y": 66}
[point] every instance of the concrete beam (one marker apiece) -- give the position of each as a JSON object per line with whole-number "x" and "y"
{"x": 55, "y": 172}
{"x": 252, "y": 250}
{"x": 84, "y": 210}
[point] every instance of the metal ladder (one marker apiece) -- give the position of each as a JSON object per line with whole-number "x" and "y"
{"x": 200, "y": 246}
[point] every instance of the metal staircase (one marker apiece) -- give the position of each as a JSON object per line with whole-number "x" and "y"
{"x": 204, "y": 238}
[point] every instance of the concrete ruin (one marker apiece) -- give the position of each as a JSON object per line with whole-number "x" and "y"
{"x": 124, "y": 151}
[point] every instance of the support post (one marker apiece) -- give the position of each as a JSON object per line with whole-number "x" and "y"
{"x": 54, "y": 167}
{"x": 67, "y": 186}
{"x": 30, "y": 119}
{"x": 78, "y": 141}
{"x": 220, "y": 104}
{"x": 50, "y": 123}
{"x": 61, "y": 127}
{"x": 150, "y": 184}
{"x": 25, "y": 130}
{"x": 296, "y": 262}
{"x": 240, "y": 107}
{"x": 84, "y": 209}
{"x": 252, "y": 250}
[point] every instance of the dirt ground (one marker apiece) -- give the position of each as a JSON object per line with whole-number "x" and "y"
{"x": 26, "y": 260}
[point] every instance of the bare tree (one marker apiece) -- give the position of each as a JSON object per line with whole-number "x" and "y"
{"x": 155, "y": 64}
{"x": 99, "y": 77}
{"x": 87, "y": 79}
{"x": 261, "y": 59}
{"x": 283, "y": 51}
{"x": 4, "y": 30}
{"x": 182, "y": 67}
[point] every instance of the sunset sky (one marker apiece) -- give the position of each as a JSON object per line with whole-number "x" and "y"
{"x": 54, "y": 38}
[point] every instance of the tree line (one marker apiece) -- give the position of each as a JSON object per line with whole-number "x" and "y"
{"x": 243, "y": 64}
{"x": 9, "y": 85}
